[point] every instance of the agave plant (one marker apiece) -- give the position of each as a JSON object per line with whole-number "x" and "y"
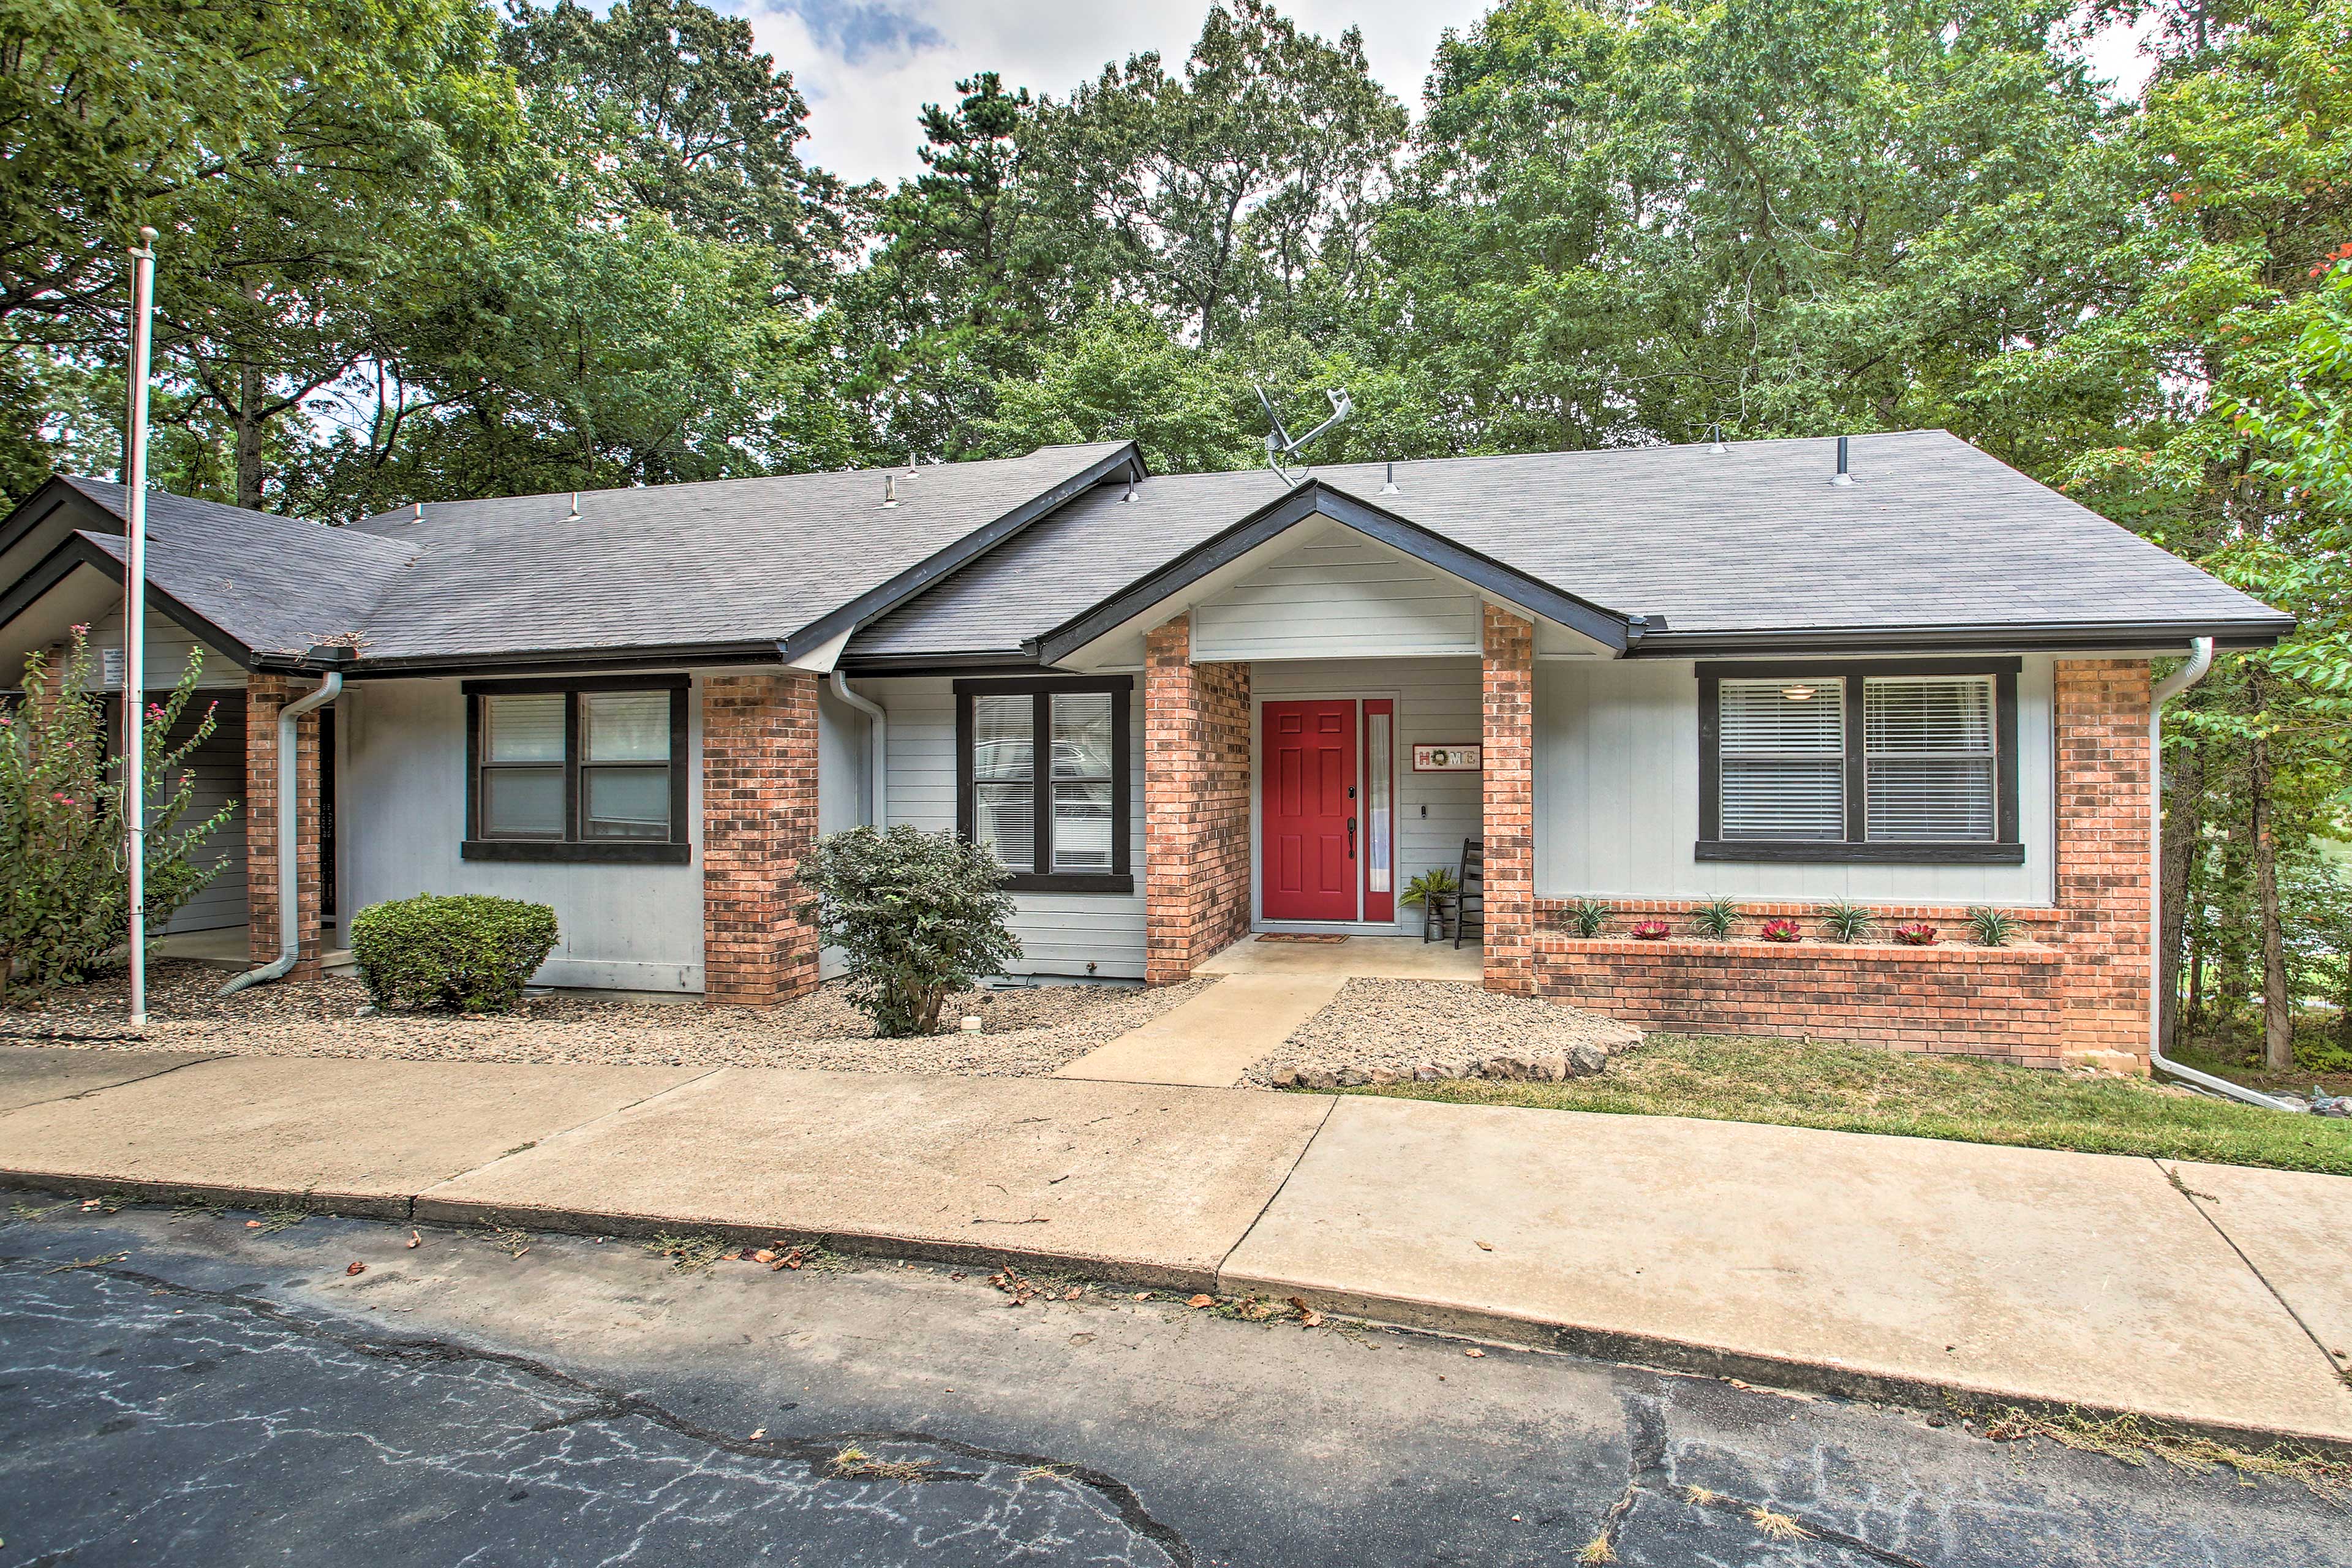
{"x": 1991, "y": 927}
{"x": 1716, "y": 918}
{"x": 1847, "y": 922}
{"x": 1919, "y": 934}
{"x": 1588, "y": 917}
{"x": 1653, "y": 930}
{"x": 1782, "y": 930}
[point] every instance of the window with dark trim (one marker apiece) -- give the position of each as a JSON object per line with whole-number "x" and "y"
{"x": 1042, "y": 778}
{"x": 1903, "y": 760}
{"x": 591, "y": 770}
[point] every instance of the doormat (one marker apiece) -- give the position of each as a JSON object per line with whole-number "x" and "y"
{"x": 1299, "y": 936}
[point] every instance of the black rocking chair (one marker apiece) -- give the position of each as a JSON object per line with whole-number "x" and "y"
{"x": 1473, "y": 895}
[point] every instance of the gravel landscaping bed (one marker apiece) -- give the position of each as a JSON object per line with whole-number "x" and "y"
{"x": 1026, "y": 1031}
{"x": 1388, "y": 1031}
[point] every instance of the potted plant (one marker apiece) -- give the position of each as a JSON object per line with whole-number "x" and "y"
{"x": 1782, "y": 930}
{"x": 1433, "y": 891}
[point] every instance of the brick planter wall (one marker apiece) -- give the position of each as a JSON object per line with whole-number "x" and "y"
{"x": 1508, "y": 700}
{"x": 759, "y": 817}
{"x": 264, "y": 695}
{"x": 2075, "y": 987}
{"x": 2002, "y": 1002}
{"x": 1196, "y": 804}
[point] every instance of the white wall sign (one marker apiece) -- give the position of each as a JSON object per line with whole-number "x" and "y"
{"x": 1446, "y": 760}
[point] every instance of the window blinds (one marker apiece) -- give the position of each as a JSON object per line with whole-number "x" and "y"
{"x": 1783, "y": 755}
{"x": 1927, "y": 747}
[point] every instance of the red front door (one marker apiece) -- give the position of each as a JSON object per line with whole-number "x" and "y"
{"x": 1309, "y": 800}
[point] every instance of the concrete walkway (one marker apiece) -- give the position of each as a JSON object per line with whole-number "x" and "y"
{"x": 1265, "y": 989}
{"x": 2206, "y": 1296}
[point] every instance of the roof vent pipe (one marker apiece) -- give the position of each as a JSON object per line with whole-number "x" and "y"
{"x": 573, "y": 516}
{"x": 2200, "y": 659}
{"x": 1715, "y": 443}
{"x": 1842, "y": 477}
{"x": 289, "y": 838}
{"x": 420, "y": 513}
{"x": 1390, "y": 489}
{"x": 889, "y": 489}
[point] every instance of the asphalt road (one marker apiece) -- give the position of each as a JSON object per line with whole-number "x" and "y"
{"x": 185, "y": 1389}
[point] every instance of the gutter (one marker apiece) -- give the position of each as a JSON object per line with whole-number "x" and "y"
{"x": 289, "y": 848}
{"x": 2200, "y": 659}
{"x": 877, "y": 786}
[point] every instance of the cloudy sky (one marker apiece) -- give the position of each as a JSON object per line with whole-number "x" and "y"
{"x": 868, "y": 66}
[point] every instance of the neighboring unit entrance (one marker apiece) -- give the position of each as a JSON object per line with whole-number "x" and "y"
{"x": 1309, "y": 870}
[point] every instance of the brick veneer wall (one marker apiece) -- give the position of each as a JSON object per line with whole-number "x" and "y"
{"x": 2101, "y": 712}
{"x": 264, "y": 695}
{"x": 759, "y": 818}
{"x": 2075, "y": 987}
{"x": 1196, "y": 804}
{"x": 1508, "y": 829}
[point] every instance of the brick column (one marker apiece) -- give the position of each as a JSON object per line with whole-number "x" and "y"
{"x": 2103, "y": 852}
{"x": 1196, "y": 804}
{"x": 264, "y": 695}
{"x": 1510, "y": 780}
{"x": 759, "y": 817}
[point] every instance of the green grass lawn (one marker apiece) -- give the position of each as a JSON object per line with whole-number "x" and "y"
{"x": 1859, "y": 1089}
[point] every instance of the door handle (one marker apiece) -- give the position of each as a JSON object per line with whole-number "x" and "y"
{"x": 1351, "y": 838}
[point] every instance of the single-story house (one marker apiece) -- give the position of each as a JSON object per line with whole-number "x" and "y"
{"x": 1187, "y": 708}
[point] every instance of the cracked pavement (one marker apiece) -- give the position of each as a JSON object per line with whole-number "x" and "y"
{"x": 186, "y": 1389}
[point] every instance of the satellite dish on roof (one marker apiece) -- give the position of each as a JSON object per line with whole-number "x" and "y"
{"x": 1281, "y": 446}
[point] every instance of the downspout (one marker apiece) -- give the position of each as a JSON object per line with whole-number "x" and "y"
{"x": 877, "y": 787}
{"x": 289, "y": 848}
{"x": 2200, "y": 659}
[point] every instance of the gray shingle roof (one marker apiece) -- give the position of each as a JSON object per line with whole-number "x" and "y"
{"x": 274, "y": 583}
{"x": 1756, "y": 539}
{"x": 725, "y": 561}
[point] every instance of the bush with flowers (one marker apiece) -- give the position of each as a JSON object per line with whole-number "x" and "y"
{"x": 64, "y": 888}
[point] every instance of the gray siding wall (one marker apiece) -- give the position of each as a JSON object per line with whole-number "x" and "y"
{"x": 1437, "y": 702}
{"x": 843, "y": 762}
{"x": 1338, "y": 596}
{"x": 1616, "y": 777}
{"x": 402, "y": 805}
{"x": 218, "y": 768}
{"x": 169, "y": 646}
{"x": 1061, "y": 933}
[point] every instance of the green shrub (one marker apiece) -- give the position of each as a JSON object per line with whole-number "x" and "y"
{"x": 64, "y": 878}
{"x": 1992, "y": 927}
{"x": 918, "y": 917}
{"x": 1588, "y": 917}
{"x": 472, "y": 954}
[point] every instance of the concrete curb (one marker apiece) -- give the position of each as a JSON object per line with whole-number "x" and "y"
{"x": 1453, "y": 1320}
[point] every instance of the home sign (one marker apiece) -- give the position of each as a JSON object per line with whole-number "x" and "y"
{"x": 1445, "y": 759}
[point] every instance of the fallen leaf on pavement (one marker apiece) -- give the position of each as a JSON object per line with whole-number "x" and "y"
{"x": 1072, "y": 1294}
{"x": 1201, "y": 1302}
{"x": 1485, "y": 1247}
{"x": 356, "y": 1269}
{"x": 765, "y": 1254}
{"x": 413, "y": 1240}
{"x": 1311, "y": 1318}
{"x": 760, "y": 1434}
{"x": 253, "y": 1225}
{"x": 1474, "y": 1354}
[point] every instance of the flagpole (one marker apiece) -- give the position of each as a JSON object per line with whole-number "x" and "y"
{"x": 134, "y": 618}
